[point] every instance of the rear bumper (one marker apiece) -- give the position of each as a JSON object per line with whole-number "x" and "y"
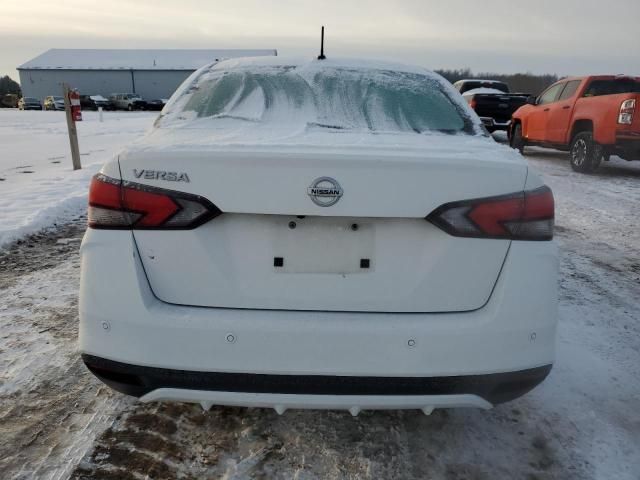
{"x": 493, "y": 124}
{"x": 389, "y": 360}
{"x": 627, "y": 146}
{"x": 141, "y": 381}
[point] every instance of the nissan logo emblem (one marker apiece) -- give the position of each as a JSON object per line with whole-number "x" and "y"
{"x": 324, "y": 191}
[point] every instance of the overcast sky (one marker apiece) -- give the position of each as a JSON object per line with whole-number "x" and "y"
{"x": 544, "y": 36}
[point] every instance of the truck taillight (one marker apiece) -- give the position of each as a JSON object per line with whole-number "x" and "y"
{"x": 116, "y": 204}
{"x": 627, "y": 109}
{"x": 518, "y": 216}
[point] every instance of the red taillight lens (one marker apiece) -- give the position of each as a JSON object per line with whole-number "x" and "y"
{"x": 114, "y": 204}
{"x": 519, "y": 216}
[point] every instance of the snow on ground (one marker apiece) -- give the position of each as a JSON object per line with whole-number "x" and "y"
{"x": 57, "y": 420}
{"x": 51, "y": 410}
{"x": 38, "y": 186}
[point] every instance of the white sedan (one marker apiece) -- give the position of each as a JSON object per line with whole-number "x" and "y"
{"x": 319, "y": 234}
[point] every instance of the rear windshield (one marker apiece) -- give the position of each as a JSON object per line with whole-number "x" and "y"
{"x": 466, "y": 86}
{"x": 612, "y": 87}
{"x": 336, "y": 98}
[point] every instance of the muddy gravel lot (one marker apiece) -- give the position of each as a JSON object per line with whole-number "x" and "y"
{"x": 57, "y": 421}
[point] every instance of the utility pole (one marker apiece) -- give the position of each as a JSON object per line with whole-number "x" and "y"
{"x": 71, "y": 126}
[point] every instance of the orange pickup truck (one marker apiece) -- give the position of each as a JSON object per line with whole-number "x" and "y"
{"x": 591, "y": 117}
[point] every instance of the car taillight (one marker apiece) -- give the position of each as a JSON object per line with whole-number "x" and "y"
{"x": 627, "y": 109}
{"x": 519, "y": 216}
{"x": 116, "y": 204}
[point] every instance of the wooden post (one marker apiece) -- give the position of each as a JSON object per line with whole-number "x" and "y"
{"x": 71, "y": 126}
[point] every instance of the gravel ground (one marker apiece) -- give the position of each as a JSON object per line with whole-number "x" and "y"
{"x": 57, "y": 421}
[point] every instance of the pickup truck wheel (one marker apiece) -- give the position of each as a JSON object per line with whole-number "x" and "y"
{"x": 130, "y": 108}
{"x": 585, "y": 154}
{"x": 517, "y": 141}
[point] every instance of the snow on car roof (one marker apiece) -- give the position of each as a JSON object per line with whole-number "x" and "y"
{"x": 312, "y": 62}
{"x": 126, "y": 59}
{"x": 475, "y": 91}
{"x": 480, "y": 80}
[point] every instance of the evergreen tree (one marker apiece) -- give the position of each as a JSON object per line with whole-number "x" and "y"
{"x": 7, "y": 85}
{"x": 518, "y": 82}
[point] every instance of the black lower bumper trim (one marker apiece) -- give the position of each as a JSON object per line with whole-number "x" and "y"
{"x": 137, "y": 381}
{"x": 627, "y": 148}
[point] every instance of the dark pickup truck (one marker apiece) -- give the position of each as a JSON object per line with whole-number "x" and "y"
{"x": 492, "y": 101}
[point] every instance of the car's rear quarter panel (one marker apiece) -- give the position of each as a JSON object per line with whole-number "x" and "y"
{"x": 603, "y": 112}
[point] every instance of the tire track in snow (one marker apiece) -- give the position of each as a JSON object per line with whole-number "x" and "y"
{"x": 51, "y": 408}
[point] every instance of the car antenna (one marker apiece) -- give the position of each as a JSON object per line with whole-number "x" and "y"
{"x": 321, "y": 56}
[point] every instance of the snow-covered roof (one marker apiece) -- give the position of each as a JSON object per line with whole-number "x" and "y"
{"x": 479, "y": 80}
{"x": 125, "y": 59}
{"x": 483, "y": 90}
{"x": 311, "y": 62}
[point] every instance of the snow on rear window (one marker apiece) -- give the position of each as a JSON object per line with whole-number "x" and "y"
{"x": 334, "y": 98}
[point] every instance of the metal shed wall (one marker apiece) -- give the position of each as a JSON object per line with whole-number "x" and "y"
{"x": 150, "y": 84}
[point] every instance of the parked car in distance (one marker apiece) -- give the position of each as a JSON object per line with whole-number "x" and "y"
{"x": 127, "y": 101}
{"x": 591, "y": 117}
{"x": 93, "y": 102}
{"x": 492, "y": 101}
{"x": 9, "y": 100}
{"x": 54, "y": 103}
{"x": 29, "y": 103}
{"x": 157, "y": 104}
{"x": 355, "y": 242}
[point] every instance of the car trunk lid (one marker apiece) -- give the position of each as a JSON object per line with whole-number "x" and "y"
{"x": 373, "y": 250}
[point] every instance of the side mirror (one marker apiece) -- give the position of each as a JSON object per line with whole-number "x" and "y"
{"x": 532, "y": 100}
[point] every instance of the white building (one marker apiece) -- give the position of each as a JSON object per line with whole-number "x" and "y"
{"x": 150, "y": 73}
